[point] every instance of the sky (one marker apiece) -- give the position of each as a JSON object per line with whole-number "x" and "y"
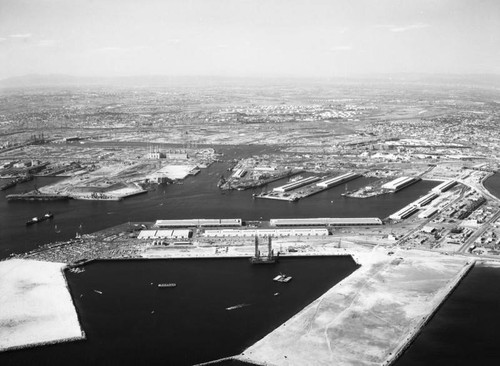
{"x": 249, "y": 38}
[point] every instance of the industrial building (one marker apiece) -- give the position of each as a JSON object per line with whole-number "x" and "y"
{"x": 428, "y": 213}
{"x": 405, "y": 212}
{"x": 331, "y": 182}
{"x": 242, "y": 233}
{"x": 297, "y": 184}
{"x": 443, "y": 187}
{"x": 422, "y": 201}
{"x": 165, "y": 234}
{"x": 328, "y": 221}
{"x": 240, "y": 173}
{"x": 198, "y": 223}
{"x": 400, "y": 183}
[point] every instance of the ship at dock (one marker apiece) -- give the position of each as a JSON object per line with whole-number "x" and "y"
{"x": 14, "y": 182}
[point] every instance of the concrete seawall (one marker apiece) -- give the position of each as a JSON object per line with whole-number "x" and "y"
{"x": 446, "y": 292}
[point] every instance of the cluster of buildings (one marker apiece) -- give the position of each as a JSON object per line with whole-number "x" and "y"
{"x": 413, "y": 207}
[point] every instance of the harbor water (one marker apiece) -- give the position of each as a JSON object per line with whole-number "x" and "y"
{"x": 129, "y": 320}
{"x": 464, "y": 330}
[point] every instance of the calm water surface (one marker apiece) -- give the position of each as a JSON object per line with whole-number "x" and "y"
{"x": 492, "y": 184}
{"x": 133, "y": 322}
{"x": 464, "y": 331}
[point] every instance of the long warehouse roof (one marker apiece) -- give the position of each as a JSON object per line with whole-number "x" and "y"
{"x": 198, "y": 222}
{"x": 328, "y": 221}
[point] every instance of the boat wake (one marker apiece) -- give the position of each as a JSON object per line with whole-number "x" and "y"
{"x": 234, "y": 307}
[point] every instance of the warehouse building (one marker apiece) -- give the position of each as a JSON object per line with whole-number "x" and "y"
{"x": 425, "y": 200}
{"x": 197, "y": 223}
{"x": 241, "y": 233}
{"x": 443, "y": 187}
{"x": 240, "y": 173}
{"x": 405, "y": 212}
{"x": 332, "y": 182}
{"x": 428, "y": 213}
{"x": 293, "y": 185}
{"x": 327, "y": 221}
{"x": 165, "y": 234}
{"x": 400, "y": 183}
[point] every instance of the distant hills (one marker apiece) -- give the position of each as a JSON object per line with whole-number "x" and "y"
{"x": 61, "y": 80}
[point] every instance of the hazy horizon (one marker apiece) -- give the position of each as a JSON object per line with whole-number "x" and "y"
{"x": 240, "y": 38}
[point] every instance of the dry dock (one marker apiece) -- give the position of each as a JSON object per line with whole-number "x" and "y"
{"x": 369, "y": 317}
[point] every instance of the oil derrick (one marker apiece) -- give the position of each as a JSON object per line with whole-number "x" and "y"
{"x": 270, "y": 254}
{"x": 269, "y": 259}
{"x": 257, "y": 252}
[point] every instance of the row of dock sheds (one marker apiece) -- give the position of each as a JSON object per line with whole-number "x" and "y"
{"x": 322, "y": 221}
{"x": 325, "y": 183}
{"x": 242, "y": 233}
{"x": 413, "y": 207}
{"x": 165, "y": 234}
{"x": 217, "y": 228}
{"x": 214, "y": 228}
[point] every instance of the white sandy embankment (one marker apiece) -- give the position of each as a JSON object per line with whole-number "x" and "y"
{"x": 35, "y": 305}
{"x": 367, "y": 318}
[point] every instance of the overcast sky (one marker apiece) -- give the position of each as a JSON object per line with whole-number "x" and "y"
{"x": 248, "y": 37}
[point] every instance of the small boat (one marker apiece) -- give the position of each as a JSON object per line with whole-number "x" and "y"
{"x": 98, "y": 292}
{"x": 34, "y": 220}
{"x": 282, "y": 278}
{"x": 234, "y": 307}
{"x": 77, "y": 270}
{"x": 167, "y": 284}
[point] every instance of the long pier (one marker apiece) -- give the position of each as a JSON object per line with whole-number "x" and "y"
{"x": 289, "y": 192}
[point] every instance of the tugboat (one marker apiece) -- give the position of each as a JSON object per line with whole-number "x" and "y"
{"x": 282, "y": 278}
{"x": 34, "y": 220}
{"x": 37, "y": 219}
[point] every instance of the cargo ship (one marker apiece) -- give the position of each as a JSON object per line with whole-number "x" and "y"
{"x": 14, "y": 182}
{"x": 162, "y": 285}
